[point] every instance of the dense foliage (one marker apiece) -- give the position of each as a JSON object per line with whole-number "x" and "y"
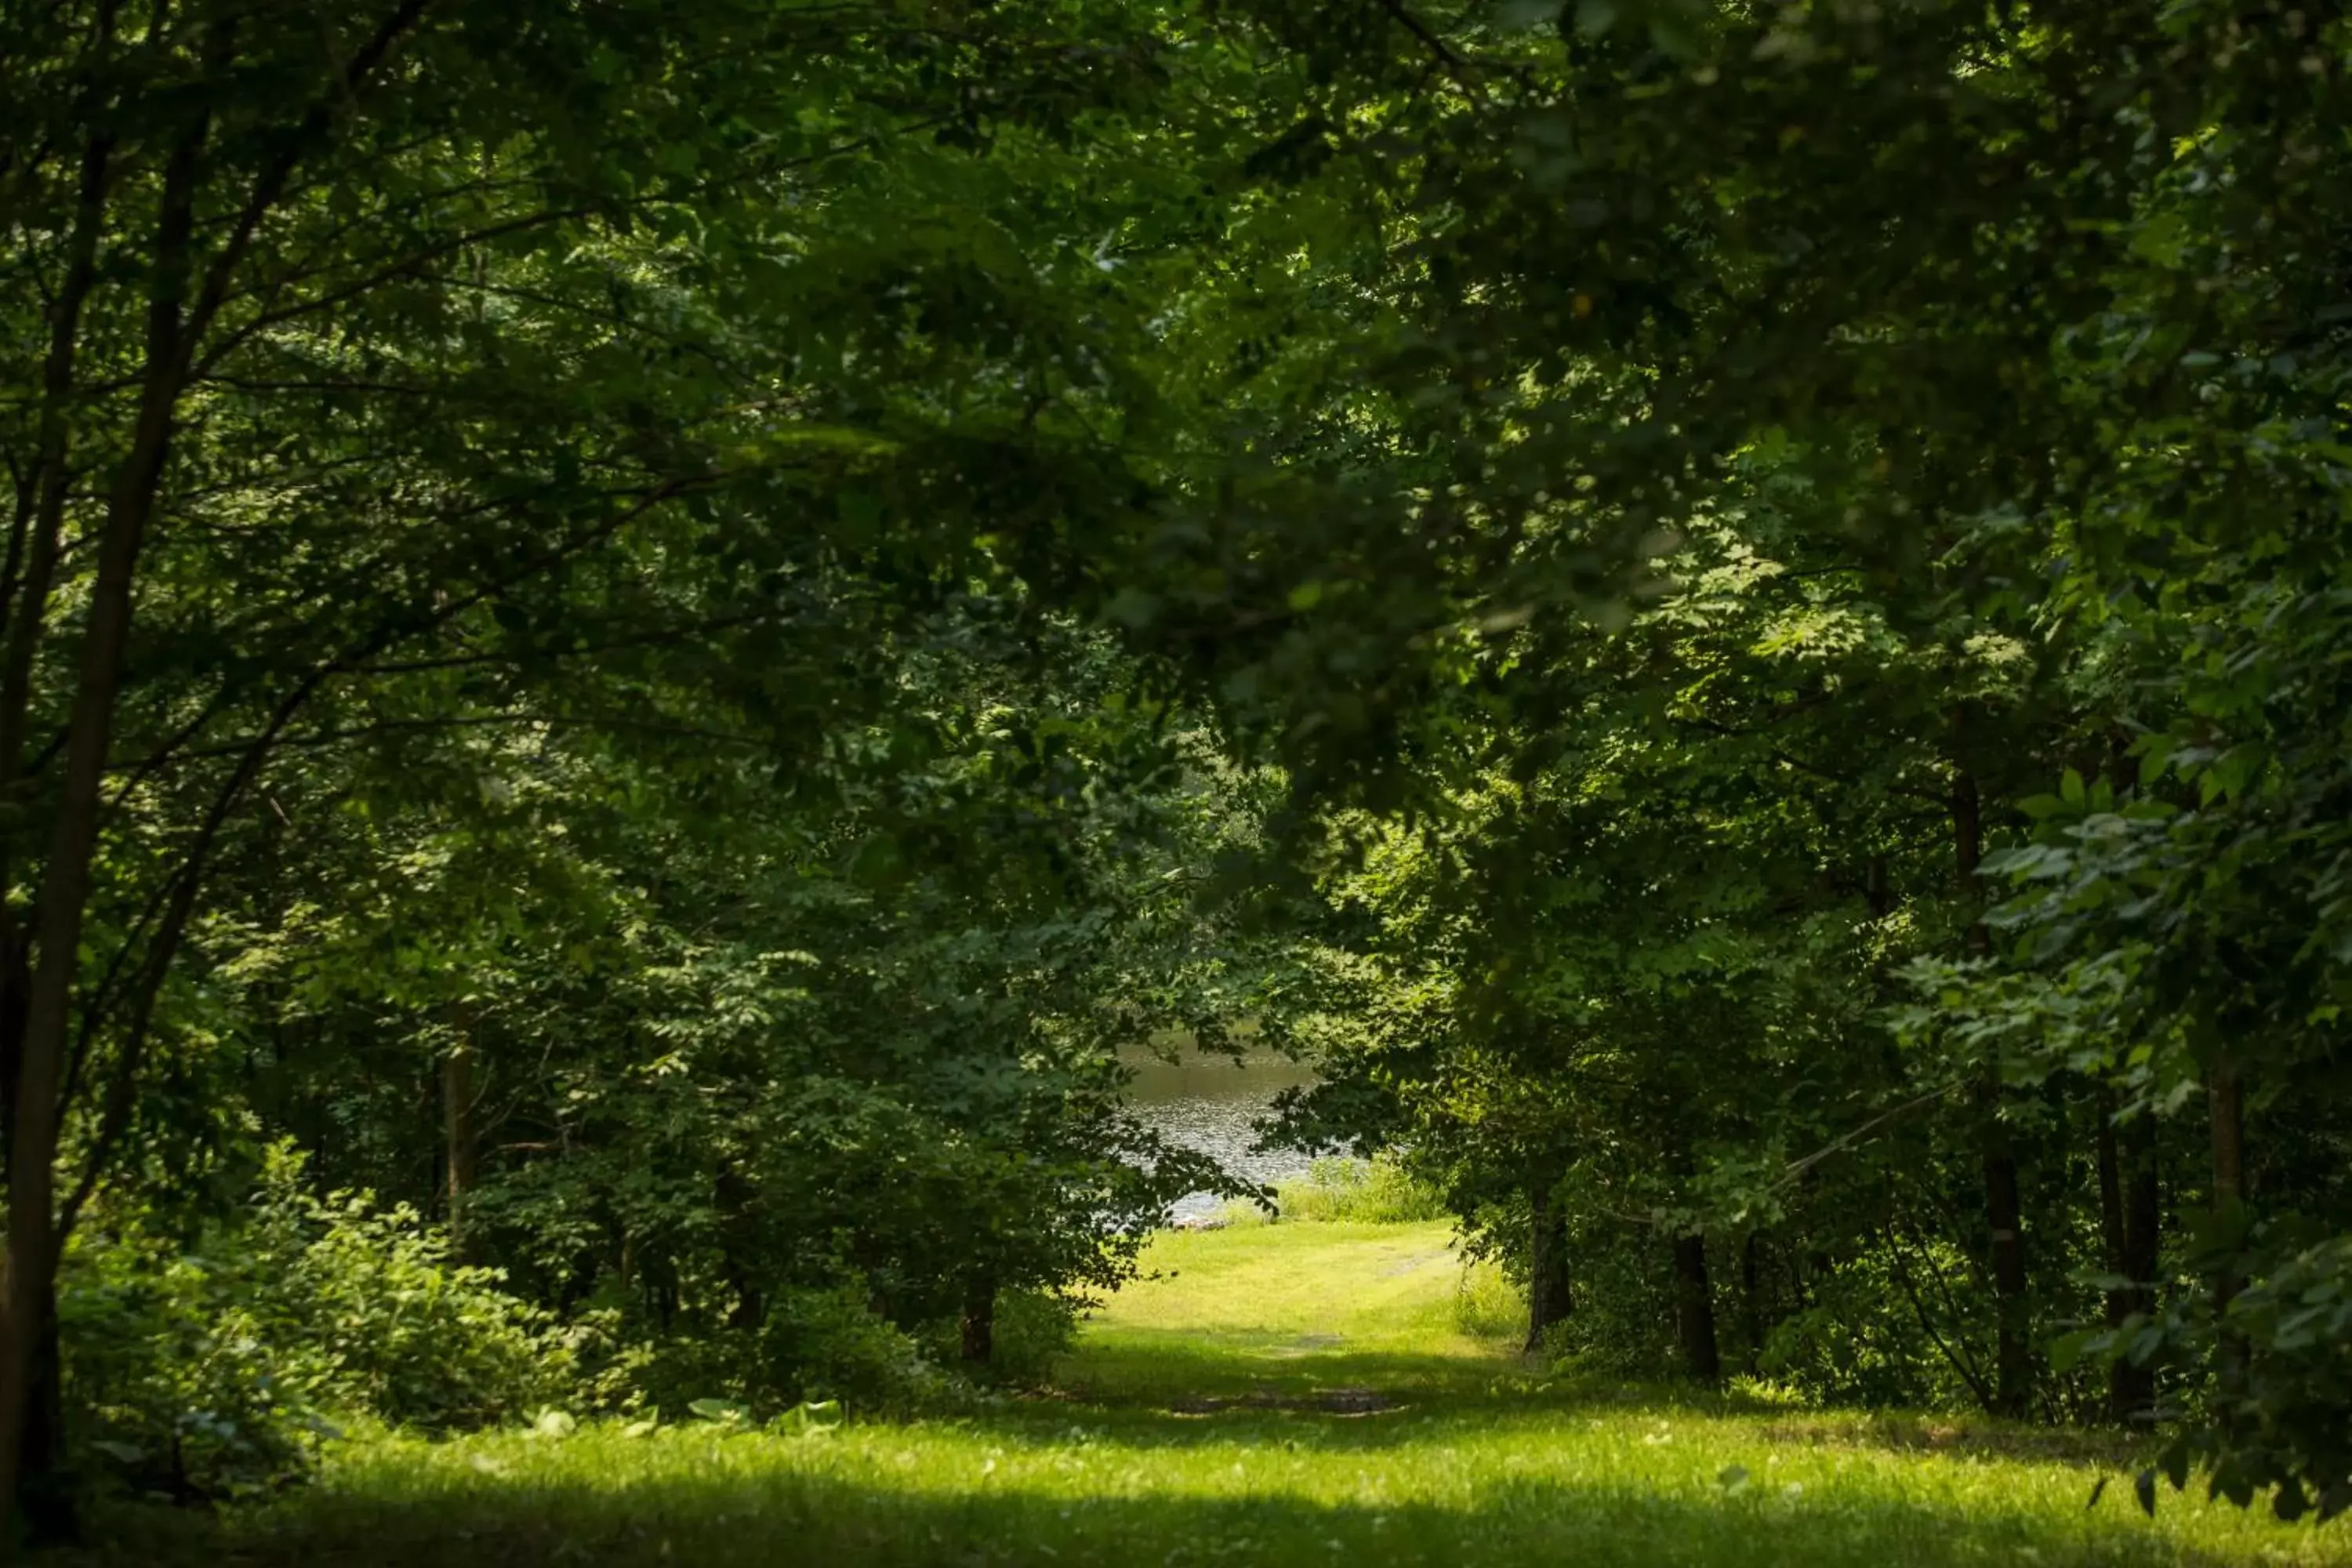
{"x": 639, "y": 638}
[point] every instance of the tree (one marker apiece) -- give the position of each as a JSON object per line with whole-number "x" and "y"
{"x": 395, "y": 372}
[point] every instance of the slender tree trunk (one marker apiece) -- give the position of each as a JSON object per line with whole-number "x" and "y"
{"x": 1695, "y": 1309}
{"x": 33, "y": 1478}
{"x": 2111, "y": 1202}
{"x": 2128, "y": 1227}
{"x": 66, "y": 879}
{"x": 174, "y": 328}
{"x": 457, "y": 1129}
{"x": 2229, "y": 1109}
{"x": 980, "y": 1320}
{"x": 2132, "y": 1389}
{"x": 1751, "y": 1297}
{"x": 2227, "y": 1105}
{"x": 1551, "y": 1292}
{"x": 2004, "y": 1210}
{"x": 2012, "y": 1362}
{"x": 738, "y": 1245}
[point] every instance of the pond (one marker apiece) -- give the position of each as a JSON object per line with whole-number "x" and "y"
{"x": 1208, "y": 1102}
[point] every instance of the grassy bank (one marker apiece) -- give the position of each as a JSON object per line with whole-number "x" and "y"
{"x": 1279, "y": 1394}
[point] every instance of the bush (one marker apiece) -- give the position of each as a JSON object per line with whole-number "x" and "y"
{"x": 389, "y": 1324}
{"x": 814, "y": 1344}
{"x": 1861, "y": 1342}
{"x": 1032, "y": 1328}
{"x": 1623, "y": 1323}
{"x": 169, "y": 1383}
{"x": 826, "y": 1344}
{"x": 213, "y": 1371}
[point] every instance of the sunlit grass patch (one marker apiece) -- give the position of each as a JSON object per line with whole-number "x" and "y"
{"x": 1209, "y": 1416}
{"x": 1361, "y": 1192}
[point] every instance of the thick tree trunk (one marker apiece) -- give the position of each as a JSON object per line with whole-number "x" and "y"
{"x": 1551, "y": 1290}
{"x": 44, "y": 1484}
{"x": 1695, "y": 1309}
{"x": 45, "y": 1491}
{"x": 979, "y": 1320}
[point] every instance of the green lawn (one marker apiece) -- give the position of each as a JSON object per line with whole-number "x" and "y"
{"x": 1281, "y": 1394}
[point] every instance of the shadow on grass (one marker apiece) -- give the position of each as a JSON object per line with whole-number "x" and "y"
{"x": 790, "y": 1516}
{"x": 1193, "y": 1366}
{"x": 1969, "y": 1438}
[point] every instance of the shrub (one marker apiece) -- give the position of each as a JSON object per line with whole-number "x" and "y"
{"x": 820, "y": 1344}
{"x": 212, "y": 1372}
{"x": 1032, "y": 1328}
{"x": 1623, "y": 1323}
{"x": 390, "y": 1325}
{"x": 170, "y": 1385}
{"x": 813, "y": 1344}
{"x": 1860, "y": 1341}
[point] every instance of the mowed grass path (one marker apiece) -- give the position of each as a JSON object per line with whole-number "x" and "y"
{"x": 1285, "y": 1395}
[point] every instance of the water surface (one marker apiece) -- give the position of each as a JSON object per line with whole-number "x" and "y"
{"x": 1208, "y": 1103}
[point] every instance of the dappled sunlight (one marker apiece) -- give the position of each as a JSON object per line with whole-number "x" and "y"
{"x": 1274, "y": 1397}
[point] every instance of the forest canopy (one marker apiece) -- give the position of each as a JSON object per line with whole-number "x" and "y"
{"x": 637, "y": 640}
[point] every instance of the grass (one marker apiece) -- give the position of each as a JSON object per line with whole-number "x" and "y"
{"x": 1284, "y": 1394}
{"x": 1376, "y": 1189}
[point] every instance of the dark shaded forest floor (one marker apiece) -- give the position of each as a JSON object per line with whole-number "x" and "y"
{"x": 1279, "y": 1394}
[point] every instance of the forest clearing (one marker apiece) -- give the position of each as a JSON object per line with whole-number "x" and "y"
{"x": 1297, "y": 1393}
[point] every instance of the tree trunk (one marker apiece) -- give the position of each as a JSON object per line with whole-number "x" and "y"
{"x": 2131, "y": 1390}
{"x": 45, "y": 1485}
{"x": 1751, "y": 1297}
{"x": 1695, "y": 1309}
{"x": 174, "y": 328}
{"x": 458, "y": 1126}
{"x": 2229, "y": 1109}
{"x": 979, "y": 1320}
{"x": 2013, "y": 1360}
{"x": 738, "y": 1247}
{"x": 67, "y": 878}
{"x": 2115, "y": 1248}
{"x": 1550, "y": 1294}
{"x": 2224, "y": 1098}
{"x": 2004, "y": 1214}
{"x": 44, "y": 1492}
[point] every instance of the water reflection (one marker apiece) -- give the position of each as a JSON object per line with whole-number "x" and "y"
{"x": 1208, "y": 1102}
